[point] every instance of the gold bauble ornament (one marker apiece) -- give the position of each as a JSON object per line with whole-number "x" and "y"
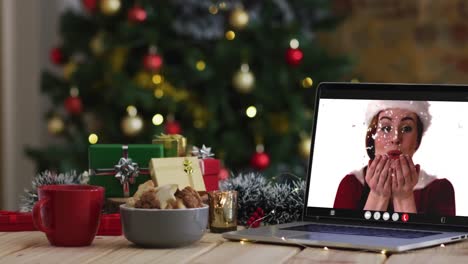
{"x": 97, "y": 44}
{"x": 304, "y": 147}
{"x": 69, "y": 69}
{"x": 239, "y": 18}
{"x": 243, "y": 80}
{"x": 55, "y": 125}
{"x": 131, "y": 125}
{"x": 110, "y": 7}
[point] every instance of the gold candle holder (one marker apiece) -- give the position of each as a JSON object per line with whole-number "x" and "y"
{"x": 223, "y": 211}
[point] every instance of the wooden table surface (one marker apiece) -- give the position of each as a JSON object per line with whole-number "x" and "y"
{"x": 33, "y": 247}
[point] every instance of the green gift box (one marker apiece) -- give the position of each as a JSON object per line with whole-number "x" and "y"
{"x": 105, "y": 159}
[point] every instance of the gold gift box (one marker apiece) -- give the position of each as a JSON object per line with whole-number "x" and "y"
{"x": 184, "y": 171}
{"x": 174, "y": 145}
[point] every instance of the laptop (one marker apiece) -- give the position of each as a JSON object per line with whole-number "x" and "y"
{"x": 360, "y": 135}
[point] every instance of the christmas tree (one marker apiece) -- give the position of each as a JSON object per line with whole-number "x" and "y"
{"x": 236, "y": 76}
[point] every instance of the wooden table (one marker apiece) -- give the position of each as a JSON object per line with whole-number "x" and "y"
{"x": 33, "y": 247}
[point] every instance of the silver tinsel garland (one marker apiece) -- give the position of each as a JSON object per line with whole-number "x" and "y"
{"x": 281, "y": 202}
{"x": 29, "y": 198}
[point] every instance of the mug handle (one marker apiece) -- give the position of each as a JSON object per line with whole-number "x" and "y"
{"x": 37, "y": 217}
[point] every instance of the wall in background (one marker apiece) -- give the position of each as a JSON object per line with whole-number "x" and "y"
{"x": 423, "y": 41}
{"x": 28, "y": 29}
{"x": 20, "y": 98}
{"x": 1, "y": 96}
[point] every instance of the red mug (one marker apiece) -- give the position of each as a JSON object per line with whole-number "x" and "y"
{"x": 69, "y": 214}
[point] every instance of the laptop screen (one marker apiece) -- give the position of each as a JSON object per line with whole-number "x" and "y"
{"x": 395, "y": 153}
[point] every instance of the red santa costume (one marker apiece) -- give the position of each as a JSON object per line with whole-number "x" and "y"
{"x": 431, "y": 195}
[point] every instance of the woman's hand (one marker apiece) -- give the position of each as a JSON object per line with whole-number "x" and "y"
{"x": 378, "y": 178}
{"x": 404, "y": 177}
{"x": 380, "y": 184}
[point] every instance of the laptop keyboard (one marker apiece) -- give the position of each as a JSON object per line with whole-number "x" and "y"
{"x": 362, "y": 231}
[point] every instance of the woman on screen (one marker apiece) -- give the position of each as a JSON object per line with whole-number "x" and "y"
{"x": 391, "y": 181}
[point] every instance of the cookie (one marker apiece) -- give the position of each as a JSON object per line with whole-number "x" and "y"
{"x": 190, "y": 197}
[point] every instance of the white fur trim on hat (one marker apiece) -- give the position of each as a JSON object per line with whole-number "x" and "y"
{"x": 420, "y": 108}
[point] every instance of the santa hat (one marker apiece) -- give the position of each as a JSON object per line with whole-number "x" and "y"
{"x": 420, "y": 108}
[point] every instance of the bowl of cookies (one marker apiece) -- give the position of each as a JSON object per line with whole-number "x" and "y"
{"x": 164, "y": 216}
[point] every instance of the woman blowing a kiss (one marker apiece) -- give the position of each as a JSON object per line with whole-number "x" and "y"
{"x": 391, "y": 181}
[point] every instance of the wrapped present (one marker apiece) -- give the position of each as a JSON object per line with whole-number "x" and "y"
{"x": 184, "y": 171}
{"x": 109, "y": 225}
{"x": 11, "y": 221}
{"x": 16, "y": 221}
{"x": 209, "y": 166}
{"x": 210, "y": 169}
{"x": 174, "y": 145}
{"x": 121, "y": 168}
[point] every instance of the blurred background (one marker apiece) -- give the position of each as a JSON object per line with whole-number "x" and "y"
{"x": 237, "y": 76}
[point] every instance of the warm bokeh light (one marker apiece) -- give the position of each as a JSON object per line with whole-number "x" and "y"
{"x": 158, "y": 93}
{"x": 157, "y": 79}
{"x": 131, "y": 110}
{"x": 251, "y": 111}
{"x": 230, "y": 35}
{"x": 157, "y": 119}
{"x": 200, "y": 65}
{"x": 93, "y": 138}
{"x": 213, "y": 10}
{"x": 294, "y": 43}
{"x": 307, "y": 82}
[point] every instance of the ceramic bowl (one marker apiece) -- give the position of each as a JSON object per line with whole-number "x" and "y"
{"x": 163, "y": 228}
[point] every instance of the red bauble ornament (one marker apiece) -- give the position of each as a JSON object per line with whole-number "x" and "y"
{"x": 260, "y": 160}
{"x": 136, "y": 14}
{"x": 152, "y": 62}
{"x": 172, "y": 127}
{"x": 90, "y": 5}
{"x": 73, "y": 105}
{"x": 294, "y": 56}
{"x": 56, "y": 56}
